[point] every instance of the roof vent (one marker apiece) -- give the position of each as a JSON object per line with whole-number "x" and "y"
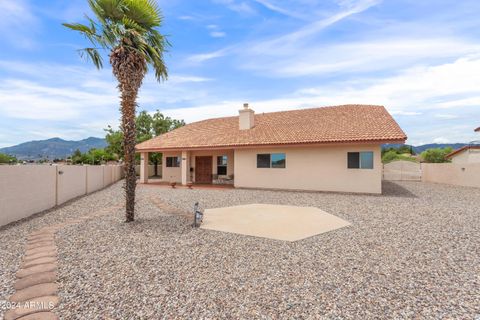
{"x": 246, "y": 118}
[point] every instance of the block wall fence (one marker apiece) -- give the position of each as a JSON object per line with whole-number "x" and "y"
{"x": 29, "y": 189}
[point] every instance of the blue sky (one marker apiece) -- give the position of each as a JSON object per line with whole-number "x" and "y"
{"x": 421, "y": 59}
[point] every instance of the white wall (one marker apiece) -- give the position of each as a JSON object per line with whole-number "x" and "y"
{"x": 467, "y": 156}
{"x": 151, "y": 170}
{"x": 28, "y": 189}
{"x": 402, "y": 171}
{"x": 171, "y": 174}
{"x": 94, "y": 178}
{"x": 72, "y": 182}
{"x": 25, "y": 190}
{"x": 467, "y": 175}
{"x": 310, "y": 168}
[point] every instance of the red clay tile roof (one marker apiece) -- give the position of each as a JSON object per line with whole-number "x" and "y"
{"x": 455, "y": 152}
{"x": 338, "y": 124}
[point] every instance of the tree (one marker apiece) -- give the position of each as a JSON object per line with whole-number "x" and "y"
{"x": 6, "y": 159}
{"x": 147, "y": 126}
{"x": 436, "y": 155}
{"x": 127, "y": 29}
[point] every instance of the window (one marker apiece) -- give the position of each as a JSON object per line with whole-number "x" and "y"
{"x": 278, "y": 160}
{"x": 274, "y": 160}
{"x": 173, "y": 162}
{"x": 263, "y": 160}
{"x": 360, "y": 160}
{"x": 222, "y": 165}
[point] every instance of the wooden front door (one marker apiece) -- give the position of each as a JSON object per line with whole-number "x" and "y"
{"x": 203, "y": 169}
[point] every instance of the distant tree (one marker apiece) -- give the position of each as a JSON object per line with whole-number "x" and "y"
{"x": 393, "y": 155}
{"x": 7, "y": 159}
{"x": 93, "y": 157}
{"x": 436, "y": 155}
{"x": 147, "y": 126}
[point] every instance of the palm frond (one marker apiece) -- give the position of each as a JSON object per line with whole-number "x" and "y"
{"x": 127, "y": 23}
{"x": 93, "y": 55}
{"x": 144, "y": 12}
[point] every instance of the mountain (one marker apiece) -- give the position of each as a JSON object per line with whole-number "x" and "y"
{"x": 423, "y": 147}
{"x": 52, "y": 148}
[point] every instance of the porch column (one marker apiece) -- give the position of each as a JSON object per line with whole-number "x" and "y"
{"x": 144, "y": 167}
{"x": 185, "y": 167}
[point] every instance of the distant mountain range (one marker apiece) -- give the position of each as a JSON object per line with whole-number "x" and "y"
{"x": 423, "y": 147}
{"x": 52, "y": 148}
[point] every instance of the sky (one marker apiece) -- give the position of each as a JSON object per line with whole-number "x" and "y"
{"x": 420, "y": 59}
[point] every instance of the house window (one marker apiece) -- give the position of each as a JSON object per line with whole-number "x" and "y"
{"x": 222, "y": 165}
{"x": 274, "y": 160}
{"x": 173, "y": 162}
{"x": 360, "y": 160}
{"x": 263, "y": 160}
{"x": 278, "y": 160}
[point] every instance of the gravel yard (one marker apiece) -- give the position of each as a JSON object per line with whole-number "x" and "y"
{"x": 413, "y": 252}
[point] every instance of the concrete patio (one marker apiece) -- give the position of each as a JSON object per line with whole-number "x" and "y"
{"x": 288, "y": 223}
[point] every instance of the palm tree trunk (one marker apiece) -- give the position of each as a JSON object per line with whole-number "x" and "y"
{"x": 129, "y": 68}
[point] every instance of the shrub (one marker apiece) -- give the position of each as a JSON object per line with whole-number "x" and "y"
{"x": 436, "y": 155}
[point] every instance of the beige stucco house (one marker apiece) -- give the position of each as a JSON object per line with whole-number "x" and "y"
{"x": 321, "y": 149}
{"x": 466, "y": 154}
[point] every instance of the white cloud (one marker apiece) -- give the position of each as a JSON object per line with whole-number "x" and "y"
{"x": 217, "y": 34}
{"x": 278, "y": 9}
{"x": 441, "y": 140}
{"x": 18, "y": 16}
{"x": 202, "y": 57}
{"x": 241, "y": 7}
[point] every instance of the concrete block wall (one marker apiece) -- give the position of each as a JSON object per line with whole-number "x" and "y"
{"x": 28, "y": 189}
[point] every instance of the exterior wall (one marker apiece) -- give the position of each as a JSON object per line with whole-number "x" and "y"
{"x": 467, "y": 156}
{"x": 402, "y": 171}
{"x": 72, "y": 182}
{"x": 28, "y": 189}
{"x": 25, "y": 190}
{"x": 467, "y": 175}
{"x": 151, "y": 170}
{"x": 94, "y": 178}
{"x": 321, "y": 168}
{"x": 171, "y": 174}
{"x": 214, "y": 154}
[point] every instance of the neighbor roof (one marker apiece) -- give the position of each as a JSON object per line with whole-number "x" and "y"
{"x": 464, "y": 148}
{"x": 338, "y": 124}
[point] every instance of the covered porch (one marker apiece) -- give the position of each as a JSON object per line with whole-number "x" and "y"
{"x": 201, "y": 167}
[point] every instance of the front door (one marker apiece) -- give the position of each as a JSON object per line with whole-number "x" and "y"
{"x": 203, "y": 169}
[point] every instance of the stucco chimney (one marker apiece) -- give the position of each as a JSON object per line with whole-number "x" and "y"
{"x": 246, "y": 118}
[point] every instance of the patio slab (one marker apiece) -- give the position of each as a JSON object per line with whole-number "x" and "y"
{"x": 287, "y": 223}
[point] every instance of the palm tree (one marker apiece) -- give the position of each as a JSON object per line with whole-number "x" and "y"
{"x": 127, "y": 30}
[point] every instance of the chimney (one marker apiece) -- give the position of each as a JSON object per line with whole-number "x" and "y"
{"x": 246, "y": 117}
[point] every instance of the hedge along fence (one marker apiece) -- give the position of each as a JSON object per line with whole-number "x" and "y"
{"x": 28, "y": 189}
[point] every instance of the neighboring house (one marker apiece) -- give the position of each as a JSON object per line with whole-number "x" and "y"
{"x": 466, "y": 154}
{"x": 322, "y": 149}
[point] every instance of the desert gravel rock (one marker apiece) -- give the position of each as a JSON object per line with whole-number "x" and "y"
{"x": 411, "y": 253}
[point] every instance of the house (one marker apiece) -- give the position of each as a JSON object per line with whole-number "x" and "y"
{"x": 322, "y": 149}
{"x": 466, "y": 154}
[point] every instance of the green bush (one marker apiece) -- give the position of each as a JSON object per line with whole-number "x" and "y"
{"x": 393, "y": 155}
{"x": 436, "y": 155}
{"x": 5, "y": 158}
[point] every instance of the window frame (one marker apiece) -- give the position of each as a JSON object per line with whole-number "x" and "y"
{"x": 284, "y": 160}
{"x": 358, "y": 162}
{"x": 222, "y": 162}
{"x": 175, "y": 162}
{"x": 263, "y": 163}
